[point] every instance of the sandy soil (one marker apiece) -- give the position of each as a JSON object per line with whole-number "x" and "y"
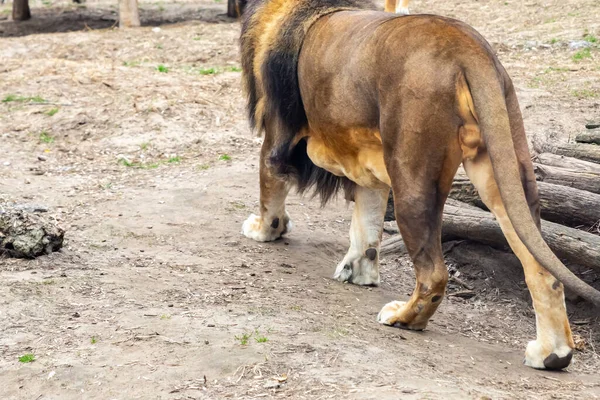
{"x": 157, "y": 295}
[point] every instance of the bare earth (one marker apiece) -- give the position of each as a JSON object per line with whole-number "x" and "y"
{"x": 157, "y": 295}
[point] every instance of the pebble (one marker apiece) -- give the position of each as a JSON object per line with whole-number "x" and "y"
{"x": 579, "y": 44}
{"x": 42, "y": 158}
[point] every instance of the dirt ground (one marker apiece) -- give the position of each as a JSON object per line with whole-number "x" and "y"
{"x": 138, "y": 144}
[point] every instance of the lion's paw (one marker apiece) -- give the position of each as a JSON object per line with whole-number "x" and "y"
{"x": 556, "y": 359}
{"x": 359, "y": 269}
{"x": 389, "y": 313}
{"x": 395, "y": 314}
{"x": 254, "y": 228}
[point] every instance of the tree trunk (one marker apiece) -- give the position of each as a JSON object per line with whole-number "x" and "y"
{"x": 583, "y": 180}
{"x": 571, "y": 245}
{"x": 567, "y": 162}
{"x": 561, "y": 204}
{"x": 592, "y": 137}
{"x": 20, "y": 11}
{"x": 129, "y": 16}
{"x": 587, "y": 152}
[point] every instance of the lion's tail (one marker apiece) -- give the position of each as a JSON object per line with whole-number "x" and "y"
{"x": 490, "y": 105}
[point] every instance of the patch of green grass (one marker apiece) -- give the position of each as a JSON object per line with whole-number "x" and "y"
{"x": 139, "y": 165}
{"x": 296, "y": 308}
{"x": 234, "y": 69}
{"x": 144, "y": 146}
{"x": 27, "y": 358}
{"x": 224, "y": 157}
{"x": 199, "y": 37}
{"x": 203, "y": 167}
{"x": 172, "y": 160}
{"x": 555, "y": 69}
{"x": 46, "y": 138}
{"x": 549, "y": 21}
{"x": 260, "y": 338}
{"x": 162, "y": 68}
{"x": 243, "y": 339}
{"x": 93, "y": 340}
{"x": 165, "y": 316}
{"x": 47, "y": 3}
{"x": 48, "y": 282}
{"x": 22, "y": 99}
{"x": 208, "y": 71}
{"x": 237, "y": 205}
{"x": 51, "y": 111}
{"x": 590, "y": 38}
{"x": 159, "y": 46}
{"x": 554, "y": 41}
{"x": 581, "y": 55}
{"x": 131, "y": 63}
{"x": 585, "y": 93}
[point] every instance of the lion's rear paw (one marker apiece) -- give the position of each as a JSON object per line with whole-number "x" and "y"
{"x": 393, "y": 314}
{"x": 556, "y": 359}
{"x": 255, "y": 228}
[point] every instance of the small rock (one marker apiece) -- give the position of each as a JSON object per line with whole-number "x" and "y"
{"x": 206, "y": 342}
{"x": 579, "y": 44}
{"x": 211, "y": 325}
{"x": 42, "y": 158}
{"x": 592, "y": 125}
{"x": 76, "y": 315}
{"x": 272, "y": 385}
{"x": 531, "y": 43}
{"x": 6, "y": 163}
{"x": 156, "y": 29}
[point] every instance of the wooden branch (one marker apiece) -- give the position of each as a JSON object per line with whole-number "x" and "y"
{"x": 587, "y": 152}
{"x": 567, "y": 162}
{"x": 571, "y": 245}
{"x": 583, "y": 180}
{"x": 561, "y": 204}
{"x": 592, "y": 137}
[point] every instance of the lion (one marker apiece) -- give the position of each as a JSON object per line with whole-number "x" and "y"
{"x": 397, "y": 6}
{"x": 354, "y": 99}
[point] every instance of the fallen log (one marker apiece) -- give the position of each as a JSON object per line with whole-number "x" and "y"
{"x": 561, "y": 204}
{"x": 583, "y": 180}
{"x": 582, "y": 151}
{"x": 591, "y": 137}
{"x": 567, "y": 162}
{"x": 571, "y": 245}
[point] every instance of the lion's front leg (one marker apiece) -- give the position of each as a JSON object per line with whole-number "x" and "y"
{"x": 361, "y": 264}
{"x": 273, "y": 220}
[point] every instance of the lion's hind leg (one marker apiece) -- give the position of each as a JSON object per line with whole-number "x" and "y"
{"x": 361, "y": 264}
{"x": 553, "y": 346}
{"x": 421, "y": 175}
